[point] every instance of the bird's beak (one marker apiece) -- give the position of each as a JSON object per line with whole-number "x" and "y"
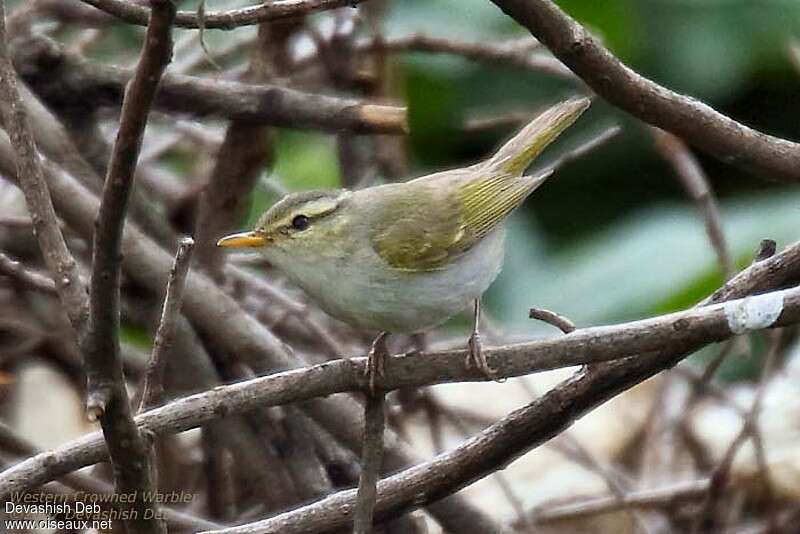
{"x": 242, "y": 240}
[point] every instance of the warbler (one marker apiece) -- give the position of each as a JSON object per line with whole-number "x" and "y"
{"x": 405, "y": 257}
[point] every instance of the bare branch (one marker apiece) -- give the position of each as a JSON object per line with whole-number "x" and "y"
{"x": 102, "y": 347}
{"x": 520, "y": 53}
{"x": 224, "y": 20}
{"x": 591, "y": 143}
{"x": 552, "y": 318}
{"x": 682, "y": 332}
{"x": 153, "y": 385}
{"x": 57, "y": 257}
{"x": 371, "y": 458}
{"x": 663, "y": 497}
{"x": 106, "y": 396}
{"x": 778, "y": 271}
{"x": 689, "y": 119}
{"x": 29, "y": 277}
{"x": 67, "y": 80}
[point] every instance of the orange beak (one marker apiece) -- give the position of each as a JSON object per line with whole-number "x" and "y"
{"x": 243, "y": 240}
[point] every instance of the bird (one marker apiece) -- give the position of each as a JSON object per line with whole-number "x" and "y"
{"x": 402, "y": 258}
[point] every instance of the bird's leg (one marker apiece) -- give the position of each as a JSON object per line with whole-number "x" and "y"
{"x": 376, "y": 360}
{"x": 475, "y": 357}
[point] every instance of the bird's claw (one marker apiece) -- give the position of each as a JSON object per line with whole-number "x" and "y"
{"x": 376, "y": 363}
{"x": 476, "y": 358}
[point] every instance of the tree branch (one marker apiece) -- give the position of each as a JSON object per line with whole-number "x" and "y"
{"x": 32, "y": 279}
{"x": 683, "y": 332}
{"x": 67, "y": 80}
{"x": 662, "y": 497}
{"x": 371, "y": 458}
{"x": 690, "y": 119}
{"x": 519, "y": 54}
{"x": 106, "y": 396}
{"x": 224, "y": 20}
{"x": 57, "y": 257}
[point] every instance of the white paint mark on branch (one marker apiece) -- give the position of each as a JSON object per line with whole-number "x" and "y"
{"x": 754, "y": 313}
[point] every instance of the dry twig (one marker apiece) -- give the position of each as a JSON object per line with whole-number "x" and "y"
{"x": 224, "y": 20}
{"x": 663, "y": 497}
{"x": 58, "y": 258}
{"x": 153, "y": 382}
{"x": 552, "y": 318}
{"x": 30, "y": 278}
{"x": 520, "y": 53}
{"x": 371, "y": 458}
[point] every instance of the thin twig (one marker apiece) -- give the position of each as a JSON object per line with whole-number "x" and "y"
{"x": 584, "y": 147}
{"x": 224, "y": 20}
{"x": 689, "y": 119}
{"x": 153, "y": 385}
{"x": 552, "y": 318}
{"x": 766, "y": 249}
{"x": 777, "y": 271}
{"x": 371, "y": 459}
{"x": 518, "y": 53}
{"x": 694, "y": 180}
{"x": 662, "y": 497}
{"x": 505, "y": 120}
{"x": 29, "y": 277}
{"x": 57, "y": 257}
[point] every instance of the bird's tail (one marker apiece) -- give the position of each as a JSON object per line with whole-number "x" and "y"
{"x": 514, "y": 157}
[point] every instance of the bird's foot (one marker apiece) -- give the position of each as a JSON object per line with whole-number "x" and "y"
{"x": 476, "y": 358}
{"x": 376, "y": 361}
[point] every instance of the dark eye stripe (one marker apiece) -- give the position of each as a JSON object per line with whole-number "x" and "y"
{"x": 300, "y": 222}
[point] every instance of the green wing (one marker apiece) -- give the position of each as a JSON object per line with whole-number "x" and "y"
{"x": 441, "y": 216}
{"x": 437, "y": 222}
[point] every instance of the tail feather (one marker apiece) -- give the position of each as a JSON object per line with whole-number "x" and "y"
{"x": 514, "y": 157}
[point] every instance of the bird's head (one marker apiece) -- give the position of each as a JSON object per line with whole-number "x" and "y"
{"x": 299, "y": 224}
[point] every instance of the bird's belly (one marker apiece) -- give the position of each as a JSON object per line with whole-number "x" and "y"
{"x": 367, "y": 294}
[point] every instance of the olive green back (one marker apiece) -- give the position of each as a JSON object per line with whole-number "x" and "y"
{"x": 436, "y": 218}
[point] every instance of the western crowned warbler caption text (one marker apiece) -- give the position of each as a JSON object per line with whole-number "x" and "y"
{"x": 80, "y": 510}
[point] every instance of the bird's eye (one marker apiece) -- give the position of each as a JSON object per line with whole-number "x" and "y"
{"x": 300, "y": 222}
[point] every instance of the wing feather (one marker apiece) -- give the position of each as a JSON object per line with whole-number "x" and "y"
{"x": 434, "y": 226}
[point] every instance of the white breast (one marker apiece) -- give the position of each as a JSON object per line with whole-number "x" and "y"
{"x": 365, "y": 292}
